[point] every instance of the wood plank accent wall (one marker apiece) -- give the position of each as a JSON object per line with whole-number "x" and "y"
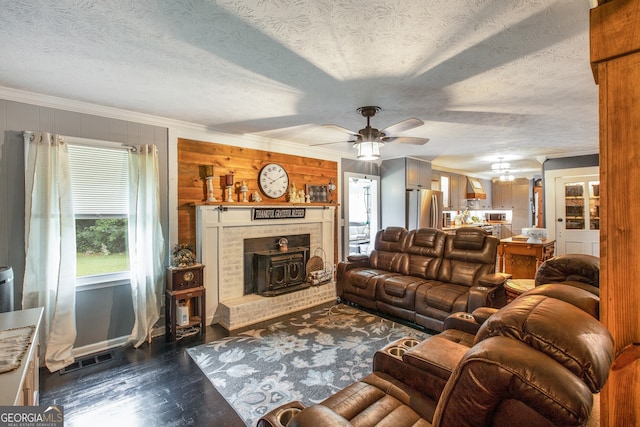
{"x": 615, "y": 59}
{"x": 245, "y": 164}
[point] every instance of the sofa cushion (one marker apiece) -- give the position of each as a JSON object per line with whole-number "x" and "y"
{"x": 444, "y": 296}
{"x": 379, "y": 399}
{"x": 583, "y": 299}
{"x": 465, "y": 260}
{"x": 469, "y": 238}
{"x": 390, "y": 239}
{"x": 360, "y": 278}
{"x": 425, "y": 247}
{"x": 394, "y": 262}
{"x": 396, "y": 286}
{"x": 570, "y": 267}
{"x": 561, "y": 330}
{"x": 436, "y": 355}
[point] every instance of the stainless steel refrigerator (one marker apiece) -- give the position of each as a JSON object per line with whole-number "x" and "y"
{"x": 424, "y": 209}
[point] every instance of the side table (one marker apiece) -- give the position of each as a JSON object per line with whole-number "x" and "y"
{"x": 196, "y": 319}
{"x": 516, "y": 287}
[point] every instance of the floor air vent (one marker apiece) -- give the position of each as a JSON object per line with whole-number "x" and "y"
{"x": 87, "y": 361}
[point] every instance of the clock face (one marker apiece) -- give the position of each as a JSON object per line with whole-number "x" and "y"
{"x": 188, "y": 276}
{"x": 273, "y": 180}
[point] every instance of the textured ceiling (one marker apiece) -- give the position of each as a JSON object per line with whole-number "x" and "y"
{"x": 490, "y": 78}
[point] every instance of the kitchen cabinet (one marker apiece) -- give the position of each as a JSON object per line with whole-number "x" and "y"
{"x": 501, "y": 195}
{"x": 520, "y": 195}
{"x": 457, "y": 188}
{"x": 510, "y": 195}
{"x": 488, "y": 190}
{"x": 418, "y": 174}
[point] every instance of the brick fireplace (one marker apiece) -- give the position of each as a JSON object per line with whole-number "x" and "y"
{"x": 221, "y": 234}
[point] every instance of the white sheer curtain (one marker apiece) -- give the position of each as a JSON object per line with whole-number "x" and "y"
{"x": 146, "y": 243}
{"x": 50, "y": 241}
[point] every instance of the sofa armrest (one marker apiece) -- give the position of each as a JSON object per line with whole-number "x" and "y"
{"x": 358, "y": 258}
{"x": 318, "y": 416}
{"x": 436, "y": 355}
{"x": 494, "y": 279}
{"x": 486, "y": 296}
{"x": 463, "y": 322}
{"x": 362, "y": 261}
{"x": 354, "y": 261}
{"x": 481, "y": 314}
{"x": 281, "y": 415}
{"x": 425, "y": 366}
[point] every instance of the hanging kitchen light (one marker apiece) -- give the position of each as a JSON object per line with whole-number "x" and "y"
{"x": 507, "y": 177}
{"x": 500, "y": 166}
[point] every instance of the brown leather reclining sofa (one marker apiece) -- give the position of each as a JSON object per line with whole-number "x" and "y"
{"x": 424, "y": 275}
{"x": 536, "y": 362}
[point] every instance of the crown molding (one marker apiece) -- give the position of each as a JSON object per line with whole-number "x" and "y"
{"x": 177, "y": 128}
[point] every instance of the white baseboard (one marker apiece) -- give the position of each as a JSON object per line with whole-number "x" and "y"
{"x": 99, "y": 346}
{"x": 109, "y": 344}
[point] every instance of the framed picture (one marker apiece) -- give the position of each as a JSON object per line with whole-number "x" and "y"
{"x": 318, "y": 193}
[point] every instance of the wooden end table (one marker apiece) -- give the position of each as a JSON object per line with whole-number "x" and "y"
{"x": 171, "y": 299}
{"x": 516, "y": 287}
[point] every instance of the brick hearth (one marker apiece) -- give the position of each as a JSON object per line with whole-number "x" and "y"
{"x": 220, "y": 237}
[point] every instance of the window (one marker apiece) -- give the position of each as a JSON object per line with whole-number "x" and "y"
{"x": 100, "y": 186}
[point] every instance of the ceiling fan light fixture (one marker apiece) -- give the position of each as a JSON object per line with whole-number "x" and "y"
{"x": 368, "y": 150}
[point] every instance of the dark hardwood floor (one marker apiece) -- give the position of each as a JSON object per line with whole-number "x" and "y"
{"x": 156, "y": 385}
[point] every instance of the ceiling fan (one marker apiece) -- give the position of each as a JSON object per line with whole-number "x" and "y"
{"x": 369, "y": 140}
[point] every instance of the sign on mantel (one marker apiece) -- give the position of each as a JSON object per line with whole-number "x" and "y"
{"x": 278, "y": 213}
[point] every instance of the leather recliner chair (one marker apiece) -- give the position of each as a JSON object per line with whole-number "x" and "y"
{"x": 579, "y": 270}
{"x": 536, "y": 362}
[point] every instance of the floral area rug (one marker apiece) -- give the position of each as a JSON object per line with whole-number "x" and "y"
{"x": 307, "y": 357}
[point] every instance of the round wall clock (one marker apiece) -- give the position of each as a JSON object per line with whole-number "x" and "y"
{"x": 273, "y": 180}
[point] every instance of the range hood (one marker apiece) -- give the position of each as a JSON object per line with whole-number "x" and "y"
{"x": 474, "y": 189}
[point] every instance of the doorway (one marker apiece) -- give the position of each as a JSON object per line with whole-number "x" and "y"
{"x": 578, "y": 215}
{"x": 362, "y": 212}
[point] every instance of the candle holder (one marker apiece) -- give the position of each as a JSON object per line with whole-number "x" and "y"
{"x": 208, "y": 176}
{"x": 229, "y": 181}
{"x": 243, "y": 190}
{"x": 210, "y": 197}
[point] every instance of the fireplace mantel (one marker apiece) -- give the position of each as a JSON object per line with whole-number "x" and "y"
{"x": 220, "y": 233}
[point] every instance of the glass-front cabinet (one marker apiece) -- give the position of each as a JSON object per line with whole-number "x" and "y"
{"x": 594, "y": 205}
{"x": 582, "y": 205}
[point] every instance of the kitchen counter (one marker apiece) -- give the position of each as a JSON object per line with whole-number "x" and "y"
{"x": 455, "y": 227}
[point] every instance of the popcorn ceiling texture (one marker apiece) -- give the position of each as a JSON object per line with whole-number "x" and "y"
{"x": 489, "y": 77}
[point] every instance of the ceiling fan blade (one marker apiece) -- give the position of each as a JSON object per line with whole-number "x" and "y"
{"x": 402, "y": 126}
{"x": 341, "y": 129}
{"x": 405, "y": 140}
{"x": 334, "y": 142}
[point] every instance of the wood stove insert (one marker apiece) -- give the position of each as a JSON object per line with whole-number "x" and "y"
{"x": 279, "y": 272}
